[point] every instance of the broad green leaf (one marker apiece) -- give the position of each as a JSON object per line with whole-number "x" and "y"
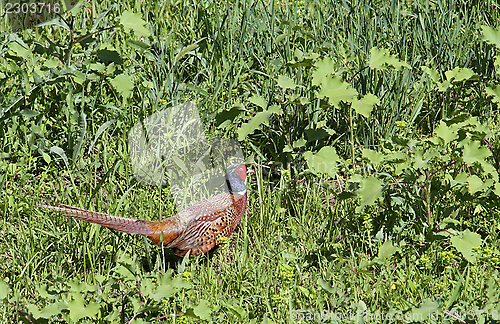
{"x": 285, "y": 82}
{"x": 57, "y": 21}
{"x": 356, "y": 178}
{"x": 257, "y": 121}
{"x": 35, "y": 312}
{"x": 138, "y": 45}
{"x": 315, "y": 134}
{"x": 275, "y": 109}
{"x": 53, "y": 309}
{"x": 179, "y": 283}
{"x": 325, "y": 161}
{"x": 227, "y": 115}
{"x": 474, "y": 152}
{"x": 77, "y": 309}
{"x": 163, "y": 291}
{"x": 370, "y": 190}
{"x": 479, "y": 128}
{"x": 447, "y": 133}
{"x": 101, "y": 129}
{"x": 299, "y": 143}
{"x": 495, "y": 92}
{"x": 109, "y": 55}
{"x": 52, "y": 63}
{"x": 364, "y": 106}
{"x": 298, "y": 100}
{"x": 147, "y": 287}
{"x": 397, "y": 156}
{"x": 238, "y": 311}
{"x": 43, "y": 291}
{"x": 304, "y": 291}
{"x": 382, "y": 59}
{"x": 461, "y": 177}
{"x": 4, "y": 290}
{"x": 432, "y": 73}
{"x": 123, "y": 84}
{"x": 46, "y": 158}
{"x": 491, "y": 35}
{"x": 387, "y": 250}
{"x": 20, "y": 50}
{"x": 444, "y": 86}
{"x": 465, "y": 242}
{"x": 183, "y": 265}
{"x": 78, "y": 286}
{"x": 184, "y": 51}
{"x": 258, "y": 100}
{"x": 133, "y": 21}
{"x": 419, "y": 161}
{"x": 474, "y": 184}
{"x": 326, "y": 286}
{"x": 279, "y": 38}
{"x": 203, "y": 310}
{"x": 72, "y": 8}
{"x": 253, "y": 124}
{"x": 337, "y": 90}
{"x": 324, "y": 67}
{"x": 426, "y": 308}
{"x": 496, "y": 189}
{"x": 28, "y": 113}
{"x": 59, "y": 151}
{"x": 127, "y": 272}
{"x": 127, "y": 267}
{"x": 373, "y": 156}
{"x": 459, "y": 74}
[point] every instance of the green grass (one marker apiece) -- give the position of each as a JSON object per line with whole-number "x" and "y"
{"x": 294, "y": 237}
{"x": 302, "y": 248}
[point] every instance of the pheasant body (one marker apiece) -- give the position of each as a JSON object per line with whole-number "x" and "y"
{"x": 196, "y": 229}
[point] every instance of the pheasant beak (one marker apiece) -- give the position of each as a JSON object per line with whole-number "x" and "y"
{"x": 250, "y": 171}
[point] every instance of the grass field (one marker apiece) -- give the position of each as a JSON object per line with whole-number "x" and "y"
{"x": 398, "y": 98}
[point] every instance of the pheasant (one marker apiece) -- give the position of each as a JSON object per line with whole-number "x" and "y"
{"x": 196, "y": 229}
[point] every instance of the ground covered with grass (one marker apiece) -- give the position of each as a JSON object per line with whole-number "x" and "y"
{"x": 373, "y": 128}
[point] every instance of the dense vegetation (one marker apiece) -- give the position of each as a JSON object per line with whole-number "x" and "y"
{"x": 373, "y": 127}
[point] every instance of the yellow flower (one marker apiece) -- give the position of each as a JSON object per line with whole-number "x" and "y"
{"x": 441, "y": 284}
{"x": 447, "y": 255}
{"x": 186, "y": 275}
{"x": 286, "y": 175}
{"x": 424, "y": 260}
{"x": 181, "y": 320}
{"x": 401, "y": 124}
{"x": 487, "y": 252}
{"x": 278, "y": 299}
{"x": 286, "y": 272}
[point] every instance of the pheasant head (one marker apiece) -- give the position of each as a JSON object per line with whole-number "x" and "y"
{"x": 235, "y": 179}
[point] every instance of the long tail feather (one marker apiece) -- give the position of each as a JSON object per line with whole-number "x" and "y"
{"x": 122, "y": 224}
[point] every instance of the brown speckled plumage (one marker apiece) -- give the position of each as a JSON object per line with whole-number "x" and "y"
{"x": 196, "y": 229}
